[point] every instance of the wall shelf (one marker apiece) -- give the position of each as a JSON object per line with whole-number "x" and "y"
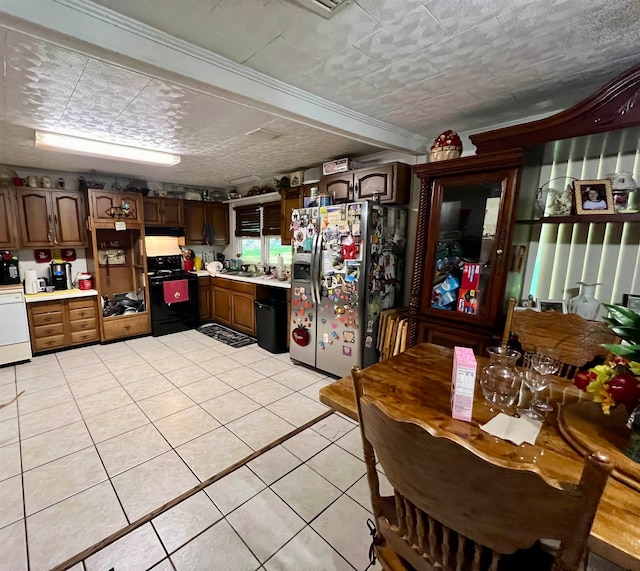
{"x": 583, "y": 219}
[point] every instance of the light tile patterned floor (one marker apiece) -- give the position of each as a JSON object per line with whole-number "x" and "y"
{"x": 120, "y": 429}
{"x": 292, "y": 507}
{"x": 106, "y": 436}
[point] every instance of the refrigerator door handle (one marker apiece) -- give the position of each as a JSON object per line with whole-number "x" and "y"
{"x": 312, "y": 270}
{"x": 318, "y": 266}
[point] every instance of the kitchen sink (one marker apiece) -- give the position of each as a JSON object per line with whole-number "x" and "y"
{"x": 241, "y": 273}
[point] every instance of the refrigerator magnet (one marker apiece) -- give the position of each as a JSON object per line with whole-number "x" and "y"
{"x": 368, "y": 342}
{"x": 346, "y": 351}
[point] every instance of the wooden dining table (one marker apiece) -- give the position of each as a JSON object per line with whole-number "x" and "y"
{"x": 418, "y": 383}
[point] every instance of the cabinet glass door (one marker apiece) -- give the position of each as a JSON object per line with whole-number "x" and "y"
{"x": 465, "y": 238}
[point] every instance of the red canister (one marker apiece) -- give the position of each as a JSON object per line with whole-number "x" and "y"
{"x": 85, "y": 281}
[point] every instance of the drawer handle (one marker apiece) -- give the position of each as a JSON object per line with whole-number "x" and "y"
{"x": 127, "y": 327}
{"x": 82, "y": 314}
{"x": 49, "y": 331}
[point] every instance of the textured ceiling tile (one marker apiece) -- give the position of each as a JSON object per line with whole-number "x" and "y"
{"x": 100, "y": 96}
{"x": 403, "y": 73}
{"x": 471, "y": 45}
{"x": 254, "y": 25}
{"x": 459, "y": 15}
{"x": 409, "y": 34}
{"x": 349, "y": 65}
{"x": 431, "y": 107}
{"x": 541, "y": 16}
{"x": 282, "y": 60}
{"x": 40, "y": 79}
{"x": 358, "y": 92}
{"x": 386, "y": 11}
{"x": 325, "y": 38}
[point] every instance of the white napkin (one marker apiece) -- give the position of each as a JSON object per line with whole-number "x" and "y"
{"x": 516, "y": 430}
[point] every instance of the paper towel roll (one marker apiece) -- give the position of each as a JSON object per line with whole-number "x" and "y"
{"x": 30, "y": 281}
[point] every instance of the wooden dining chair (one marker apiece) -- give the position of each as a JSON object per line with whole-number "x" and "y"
{"x": 455, "y": 510}
{"x": 579, "y": 340}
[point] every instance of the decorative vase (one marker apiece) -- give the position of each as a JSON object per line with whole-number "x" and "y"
{"x": 585, "y": 304}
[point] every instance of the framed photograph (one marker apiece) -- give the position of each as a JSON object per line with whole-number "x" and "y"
{"x": 632, "y": 301}
{"x": 593, "y": 196}
{"x": 551, "y": 305}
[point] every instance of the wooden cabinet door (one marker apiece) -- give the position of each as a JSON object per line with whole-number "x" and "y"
{"x": 222, "y": 305}
{"x": 218, "y": 217}
{"x": 339, "y": 186}
{"x": 203, "y": 298}
{"x": 8, "y": 220}
{"x": 289, "y": 201}
{"x": 101, "y": 201}
{"x": 195, "y": 216}
{"x": 172, "y": 212}
{"x": 387, "y": 183}
{"x": 36, "y": 218}
{"x": 375, "y": 183}
{"x": 152, "y": 211}
{"x": 69, "y": 215}
{"x": 243, "y": 313}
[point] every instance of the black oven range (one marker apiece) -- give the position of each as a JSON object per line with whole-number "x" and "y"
{"x": 173, "y": 295}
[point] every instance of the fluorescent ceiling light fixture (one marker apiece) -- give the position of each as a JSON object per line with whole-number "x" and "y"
{"x": 93, "y": 148}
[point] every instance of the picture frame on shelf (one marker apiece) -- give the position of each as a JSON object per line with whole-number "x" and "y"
{"x": 544, "y": 305}
{"x": 593, "y": 196}
{"x": 631, "y": 301}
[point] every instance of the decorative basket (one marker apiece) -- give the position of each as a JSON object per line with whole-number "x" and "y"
{"x": 435, "y": 156}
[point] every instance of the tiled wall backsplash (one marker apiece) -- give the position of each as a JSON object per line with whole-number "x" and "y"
{"x": 28, "y": 262}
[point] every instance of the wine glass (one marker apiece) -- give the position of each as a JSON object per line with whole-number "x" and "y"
{"x": 545, "y": 361}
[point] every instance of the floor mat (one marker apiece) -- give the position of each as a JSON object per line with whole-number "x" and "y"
{"x": 226, "y": 335}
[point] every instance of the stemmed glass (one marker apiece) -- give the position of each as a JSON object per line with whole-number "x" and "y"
{"x": 545, "y": 361}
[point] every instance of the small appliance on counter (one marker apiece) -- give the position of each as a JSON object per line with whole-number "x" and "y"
{"x": 84, "y": 281}
{"x": 34, "y": 284}
{"x": 61, "y": 275}
{"x": 8, "y": 268}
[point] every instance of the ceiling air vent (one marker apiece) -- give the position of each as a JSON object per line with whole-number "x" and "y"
{"x": 325, "y": 8}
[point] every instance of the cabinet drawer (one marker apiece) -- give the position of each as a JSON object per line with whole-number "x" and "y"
{"x": 84, "y": 336}
{"x": 82, "y": 313}
{"x": 47, "y": 318}
{"x": 46, "y": 343}
{"x": 125, "y": 326}
{"x": 45, "y": 307}
{"x": 48, "y": 330}
{"x": 221, "y": 282}
{"x": 83, "y": 325}
{"x": 88, "y": 302}
{"x": 243, "y": 287}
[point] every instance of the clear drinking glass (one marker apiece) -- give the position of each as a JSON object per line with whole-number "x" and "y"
{"x": 545, "y": 361}
{"x": 499, "y": 380}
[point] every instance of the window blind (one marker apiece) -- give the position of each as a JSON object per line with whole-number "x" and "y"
{"x": 560, "y": 255}
{"x": 248, "y": 221}
{"x": 271, "y": 219}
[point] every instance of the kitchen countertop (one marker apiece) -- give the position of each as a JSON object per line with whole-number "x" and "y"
{"x": 59, "y": 294}
{"x": 259, "y": 281}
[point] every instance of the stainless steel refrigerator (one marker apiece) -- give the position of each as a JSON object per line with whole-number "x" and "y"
{"x": 347, "y": 267}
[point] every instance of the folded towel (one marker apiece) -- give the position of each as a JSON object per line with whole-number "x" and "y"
{"x": 175, "y": 291}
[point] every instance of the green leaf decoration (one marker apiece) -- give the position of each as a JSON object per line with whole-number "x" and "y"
{"x": 629, "y": 334}
{"x": 623, "y": 315}
{"x": 623, "y": 350}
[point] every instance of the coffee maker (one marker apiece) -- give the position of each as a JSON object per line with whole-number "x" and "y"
{"x": 61, "y": 275}
{"x": 8, "y": 268}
